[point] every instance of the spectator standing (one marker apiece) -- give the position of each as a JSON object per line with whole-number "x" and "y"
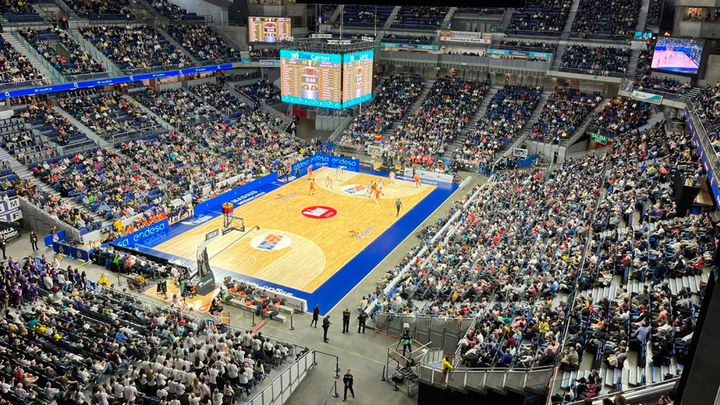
{"x": 3, "y": 245}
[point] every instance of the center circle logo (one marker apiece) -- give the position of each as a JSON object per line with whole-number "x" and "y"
{"x": 354, "y": 189}
{"x": 270, "y": 241}
{"x": 319, "y": 212}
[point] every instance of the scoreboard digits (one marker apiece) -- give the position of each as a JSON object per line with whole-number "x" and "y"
{"x": 357, "y": 77}
{"x": 269, "y": 29}
{"x": 310, "y": 78}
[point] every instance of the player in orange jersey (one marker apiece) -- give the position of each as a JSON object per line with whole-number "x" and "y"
{"x": 377, "y": 196}
{"x": 417, "y": 180}
{"x": 310, "y": 170}
{"x": 312, "y": 186}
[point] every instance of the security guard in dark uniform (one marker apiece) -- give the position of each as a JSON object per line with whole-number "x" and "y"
{"x": 361, "y": 321}
{"x": 346, "y": 321}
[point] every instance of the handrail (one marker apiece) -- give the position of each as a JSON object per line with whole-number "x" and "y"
{"x": 271, "y": 386}
{"x": 639, "y": 391}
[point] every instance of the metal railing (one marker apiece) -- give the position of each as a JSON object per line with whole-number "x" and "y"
{"x": 439, "y": 331}
{"x": 498, "y": 379}
{"x": 279, "y": 390}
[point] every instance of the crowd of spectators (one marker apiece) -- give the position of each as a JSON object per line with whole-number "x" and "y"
{"x": 508, "y": 111}
{"x": 540, "y": 17}
{"x": 409, "y": 39}
{"x": 596, "y": 60}
{"x": 52, "y": 125}
{"x": 218, "y": 96}
{"x": 647, "y": 82}
{"x": 209, "y": 153}
{"x": 362, "y": 16}
{"x": 15, "y": 67}
{"x": 707, "y": 107}
{"x": 393, "y": 98}
{"x": 134, "y": 47}
{"x": 265, "y": 53}
{"x": 173, "y": 12}
{"x": 202, "y": 42}
{"x": 102, "y": 9}
{"x": 423, "y": 137}
{"x": 528, "y": 46}
{"x": 106, "y": 183}
{"x": 614, "y": 18}
{"x": 55, "y": 206}
{"x": 564, "y": 111}
{"x": 58, "y": 48}
{"x": 655, "y": 12}
{"x": 18, "y": 139}
{"x": 419, "y": 18}
{"x": 109, "y": 115}
{"x": 623, "y": 114}
{"x": 69, "y": 339}
{"x": 177, "y": 107}
{"x": 702, "y": 14}
{"x": 261, "y": 90}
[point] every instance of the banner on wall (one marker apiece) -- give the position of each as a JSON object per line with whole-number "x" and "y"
{"x": 464, "y": 36}
{"x": 237, "y": 196}
{"x": 55, "y": 237}
{"x": 75, "y": 252}
{"x": 10, "y": 230}
{"x": 647, "y": 97}
{"x": 10, "y": 210}
{"x": 512, "y": 52}
{"x": 395, "y": 45}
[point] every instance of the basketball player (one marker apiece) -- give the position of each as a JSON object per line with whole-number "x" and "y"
{"x": 328, "y": 182}
{"x": 312, "y": 186}
{"x": 417, "y": 180}
{"x": 339, "y": 171}
{"x": 392, "y": 177}
{"x": 378, "y": 192}
{"x": 309, "y": 170}
{"x": 373, "y": 189}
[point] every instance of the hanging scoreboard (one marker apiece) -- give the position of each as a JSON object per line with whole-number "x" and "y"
{"x": 311, "y": 78}
{"x": 357, "y": 77}
{"x": 269, "y": 29}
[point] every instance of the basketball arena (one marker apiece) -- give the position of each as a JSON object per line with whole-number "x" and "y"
{"x": 272, "y": 202}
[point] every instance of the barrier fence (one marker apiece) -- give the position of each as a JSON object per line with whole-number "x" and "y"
{"x": 280, "y": 389}
{"x": 439, "y": 331}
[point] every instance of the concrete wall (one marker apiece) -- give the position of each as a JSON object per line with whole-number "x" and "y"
{"x": 238, "y": 36}
{"x": 41, "y": 222}
{"x": 712, "y": 73}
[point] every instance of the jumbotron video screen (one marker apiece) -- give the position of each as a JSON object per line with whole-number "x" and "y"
{"x": 269, "y": 30}
{"x": 682, "y": 55}
{"x": 357, "y": 77}
{"x": 311, "y": 78}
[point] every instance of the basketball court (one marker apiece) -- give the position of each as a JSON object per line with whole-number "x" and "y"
{"x": 316, "y": 247}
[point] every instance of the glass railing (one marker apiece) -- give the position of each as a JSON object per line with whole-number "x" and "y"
{"x": 592, "y": 72}
{"x": 23, "y": 84}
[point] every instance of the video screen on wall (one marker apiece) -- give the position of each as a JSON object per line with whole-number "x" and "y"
{"x": 311, "y": 78}
{"x": 681, "y": 55}
{"x": 357, "y": 77}
{"x": 269, "y": 29}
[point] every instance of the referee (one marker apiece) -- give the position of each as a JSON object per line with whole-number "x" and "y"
{"x": 398, "y": 207}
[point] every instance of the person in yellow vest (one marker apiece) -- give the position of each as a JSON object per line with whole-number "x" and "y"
{"x": 103, "y": 280}
{"x": 446, "y": 366}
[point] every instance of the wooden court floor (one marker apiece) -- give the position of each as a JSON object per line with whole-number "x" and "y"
{"x": 303, "y": 251}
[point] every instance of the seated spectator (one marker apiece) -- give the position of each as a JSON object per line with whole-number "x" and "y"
{"x": 616, "y": 18}
{"x": 15, "y": 67}
{"x": 563, "y": 113}
{"x": 58, "y": 48}
{"x": 597, "y": 60}
{"x": 540, "y": 16}
{"x": 202, "y": 42}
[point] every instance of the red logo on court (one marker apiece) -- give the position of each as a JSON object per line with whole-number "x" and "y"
{"x": 319, "y": 212}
